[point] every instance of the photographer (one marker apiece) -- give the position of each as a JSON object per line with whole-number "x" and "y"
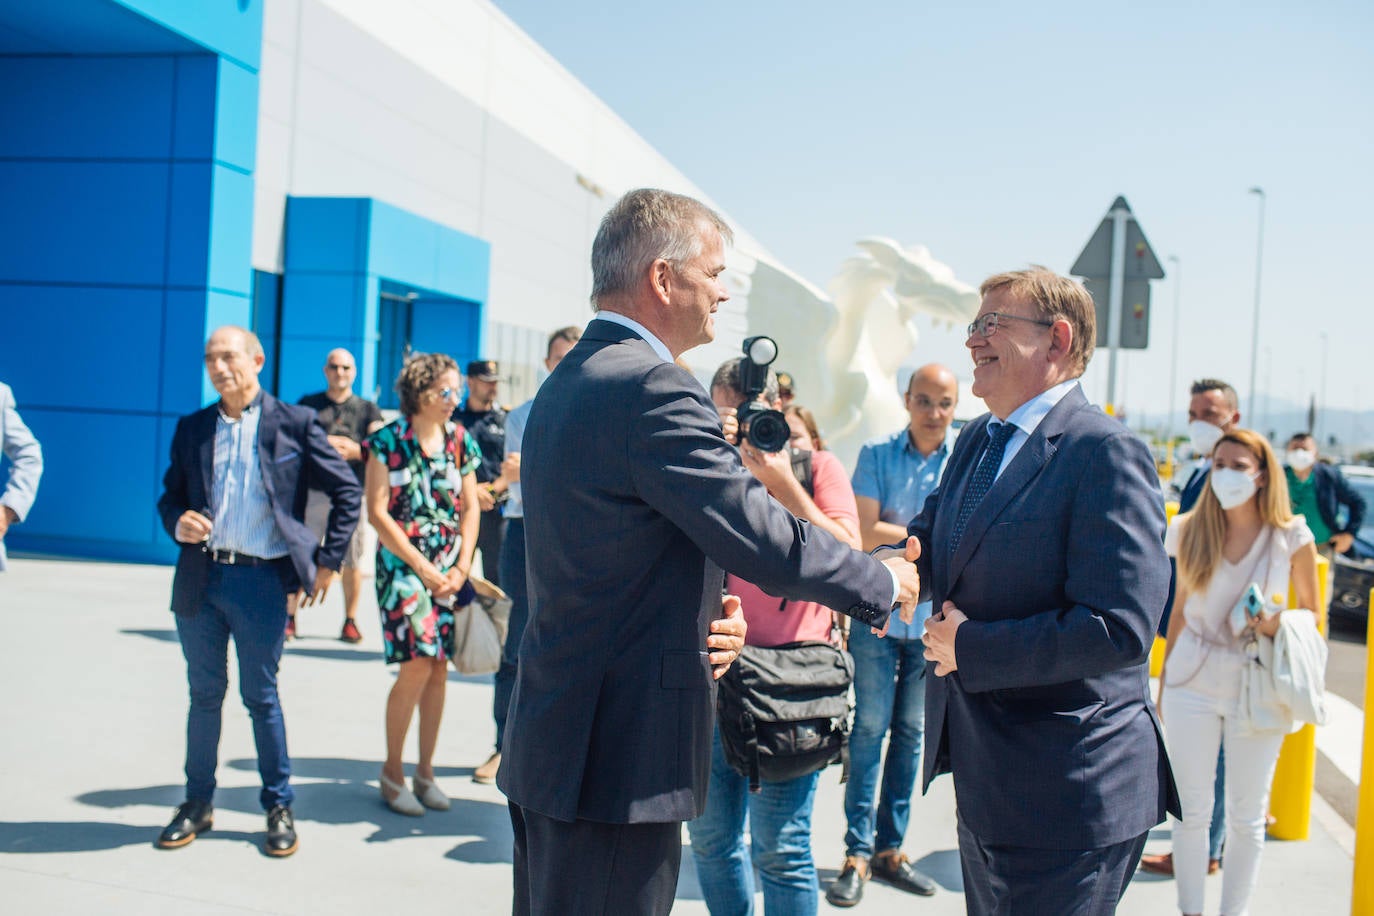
{"x": 779, "y": 815}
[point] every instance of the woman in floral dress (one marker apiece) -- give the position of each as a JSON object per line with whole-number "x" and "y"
{"x": 422, "y": 499}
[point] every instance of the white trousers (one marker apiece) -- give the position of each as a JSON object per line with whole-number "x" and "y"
{"x": 1195, "y": 724}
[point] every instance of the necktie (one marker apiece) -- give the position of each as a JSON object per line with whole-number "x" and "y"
{"x": 983, "y": 476}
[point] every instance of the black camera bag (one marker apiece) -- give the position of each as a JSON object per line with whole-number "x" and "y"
{"x": 783, "y": 711}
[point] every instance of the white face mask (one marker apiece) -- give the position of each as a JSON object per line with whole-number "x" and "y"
{"x": 1204, "y": 436}
{"x": 1232, "y": 487}
{"x": 1300, "y": 459}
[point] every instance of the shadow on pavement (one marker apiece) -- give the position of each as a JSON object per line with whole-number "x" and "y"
{"x": 159, "y": 635}
{"x": 92, "y": 836}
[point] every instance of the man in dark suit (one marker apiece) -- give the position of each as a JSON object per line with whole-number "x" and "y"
{"x": 234, "y": 498}
{"x": 1043, "y": 551}
{"x": 634, "y": 501}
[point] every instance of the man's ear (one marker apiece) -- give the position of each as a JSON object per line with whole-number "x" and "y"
{"x": 661, "y": 279}
{"x": 1061, "y": 339}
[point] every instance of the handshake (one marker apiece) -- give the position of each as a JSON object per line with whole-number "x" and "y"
{"x": 902, "y": 562}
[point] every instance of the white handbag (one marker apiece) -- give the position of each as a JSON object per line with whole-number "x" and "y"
{"x": 479, "y": 629}
{"x": 1300, "y": 666}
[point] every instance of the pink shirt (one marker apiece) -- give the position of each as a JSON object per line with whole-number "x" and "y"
{"x": 773, "y": 622}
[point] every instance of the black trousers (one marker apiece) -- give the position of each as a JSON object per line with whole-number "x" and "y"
{"x": 586, "y": 868}
{"x": 489, "y": 535}
{"x": 1020, "y": 881}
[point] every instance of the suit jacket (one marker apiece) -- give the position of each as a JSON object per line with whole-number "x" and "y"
{"x": 1047, "y": 724}
{"x": 25, "y": 457}
{"x": 1334, "y": 491}
{"x": 634, "y": 502}
{"x": 294, "y": 455}
{"x": 1197, "y": 481}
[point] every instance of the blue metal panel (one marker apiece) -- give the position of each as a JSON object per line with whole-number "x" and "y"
{"x": 188, "y": 240}
{"x": 84, "y": 222}
{"x": 231, "y": 219}
{"x": 194, "y": 125}
{"x": 236, "y": 116}
{"x": 84, "y": 27}
{"x": 91, "y": 328}
{"x": 86, "y": 452}
{"x": 98, "y": 107}
{"x": 182, "y": 353}
{"x": 464, "y": 266}
{"x": 402, "y": 246}
{"x": 321, "y": 306}
{"x": 326, "y": 234}
{"x": 229, "y": 29}
{"x": 452, "y": 326}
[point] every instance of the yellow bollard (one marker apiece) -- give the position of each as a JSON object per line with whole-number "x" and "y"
{"x": 1157, "y": 649}
{"x": 1290, "y": 795}
{"x": 1362, "y": 896}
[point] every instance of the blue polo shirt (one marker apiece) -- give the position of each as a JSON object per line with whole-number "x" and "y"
{"x": 893, "y": 472}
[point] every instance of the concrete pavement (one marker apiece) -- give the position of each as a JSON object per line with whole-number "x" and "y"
{"x": 90, "y": 769}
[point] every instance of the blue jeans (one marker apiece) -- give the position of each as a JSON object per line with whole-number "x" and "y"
{"x": 249, "y": 604}
{"x": 515, "y": 585}
{"x": 889, "y": 694}
{"x": 779, "y": 817}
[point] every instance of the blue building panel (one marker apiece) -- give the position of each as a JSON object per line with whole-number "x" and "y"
{"x": 93, "y": 107}
{"x": 231, "y": 226}
{"x": 230, "y": 28}
{"x": 321, "y": 306}
{"x": 402, "y": 246}
{"x": 85, "y": 222}
{"x": 181, "y": 360}
{"x": 327, "y": 234}
{"x": 189, "y": 218}
{"x": 236, "y": 116}
{"x": 193, "y": 128}
{"x": 464, "y": 266}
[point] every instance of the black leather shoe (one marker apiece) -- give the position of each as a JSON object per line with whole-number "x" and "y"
{"x": 848, "y": 889}
{"x": 193, "y": 818}
{"x": 281, "y": 832}
{"x": 895, "y": 868}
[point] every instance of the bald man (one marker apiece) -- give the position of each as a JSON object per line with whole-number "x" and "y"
{"x": 894, "y": 476}
{"x": 348, "y": 420}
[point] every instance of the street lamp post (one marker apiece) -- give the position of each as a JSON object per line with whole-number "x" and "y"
{"x": 1259, "y": 263}
{"x": 1173, "y": 359}
{"x": 1321, "y": 409}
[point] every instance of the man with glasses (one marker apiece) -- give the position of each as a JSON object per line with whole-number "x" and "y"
{"x": 485, "y": 420}
{"x": 1043, "y": 550}
{"x": 347, "y": 419}
{"x": 893, "y": 477}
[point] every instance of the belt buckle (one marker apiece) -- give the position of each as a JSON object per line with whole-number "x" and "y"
{"x": 233, "y": 558}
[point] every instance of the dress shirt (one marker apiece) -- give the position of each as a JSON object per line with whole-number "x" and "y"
{"x": 893, "y": 472}
{"x": 658, "y": 346}
{"x": 1028, "y": 416}
{"x": 515, "y": 439}
{"x": 241, "y": 511}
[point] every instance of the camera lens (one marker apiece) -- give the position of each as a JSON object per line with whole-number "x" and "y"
{"x": 768, "y": 430}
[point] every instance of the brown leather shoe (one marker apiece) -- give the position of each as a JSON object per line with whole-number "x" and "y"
{"x": 1164, "y": 864}
{"x": 486, "y": 773}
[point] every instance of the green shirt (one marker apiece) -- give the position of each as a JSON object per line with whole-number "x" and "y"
{"x": 1303, "y": 495}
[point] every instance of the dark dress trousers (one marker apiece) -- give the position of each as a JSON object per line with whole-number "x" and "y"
{"x": 1047, "y": 724}
{"x": 634, "y": 502}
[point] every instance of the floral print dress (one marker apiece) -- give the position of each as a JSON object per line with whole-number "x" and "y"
{"x": 426, "y": 501}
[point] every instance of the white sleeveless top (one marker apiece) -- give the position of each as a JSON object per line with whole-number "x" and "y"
{"x": 1206, "y": 658}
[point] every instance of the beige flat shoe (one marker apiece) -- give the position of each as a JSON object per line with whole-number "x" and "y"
{"x": 403, "y": 801}
{"x": 429, "y": 794}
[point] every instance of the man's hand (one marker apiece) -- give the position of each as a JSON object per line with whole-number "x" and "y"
{"x": 193, "y": 528}
{"x": 510, "y": 467}
{"x": 907, "y": 577}
{"x": 727, "y": 636}
{"x": 348, "y": 449}
{"x": 324, "y": 577}
{"x": 939, "y": 638}
{"x": 1342, "y": 541}
{"x": 729, "y": 425}
{"x": 773, "y": 469}
{"x": 7, "y": 517}
{"x": 486, "y": 497}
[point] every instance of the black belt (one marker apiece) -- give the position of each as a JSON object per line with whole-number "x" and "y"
{"x": 233, "y": 558}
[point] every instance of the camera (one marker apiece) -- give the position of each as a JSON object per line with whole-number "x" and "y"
{"x": 765, "y": 428}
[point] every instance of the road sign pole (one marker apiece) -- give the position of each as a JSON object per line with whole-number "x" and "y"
{"x": 1114, "y": 296}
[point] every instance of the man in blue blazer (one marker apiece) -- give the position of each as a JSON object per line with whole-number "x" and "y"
{"x": 634, "y": 502}
{"x": 1043, "y": 552}
{"x": 234, "y": 499}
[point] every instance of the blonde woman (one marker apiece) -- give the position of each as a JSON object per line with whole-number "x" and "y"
{"x": 1241, "y": 532}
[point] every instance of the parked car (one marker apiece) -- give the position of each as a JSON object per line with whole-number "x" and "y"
{"x": 1354, "y": 572}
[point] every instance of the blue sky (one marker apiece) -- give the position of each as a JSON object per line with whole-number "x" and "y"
{"x": 997, "y": 134}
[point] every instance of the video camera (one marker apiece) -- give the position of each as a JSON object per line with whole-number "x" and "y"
{"x": 765, "y": 428}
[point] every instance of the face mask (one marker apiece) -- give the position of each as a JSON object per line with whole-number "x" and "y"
{"x": 1205, "y": 436}
{"x": 1232, "y": 487}
{"x": 1300, "y": 459}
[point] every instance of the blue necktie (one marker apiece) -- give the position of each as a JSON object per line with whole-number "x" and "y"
{"x": 983, "y": 476}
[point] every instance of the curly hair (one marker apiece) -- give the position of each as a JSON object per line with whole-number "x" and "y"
{"x": 417, "y": 375}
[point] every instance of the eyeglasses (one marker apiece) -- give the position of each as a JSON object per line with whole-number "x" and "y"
{"x": 448, "y": 394}
{"x": 335, "y": 367}
{"x": 986, "y": 325}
